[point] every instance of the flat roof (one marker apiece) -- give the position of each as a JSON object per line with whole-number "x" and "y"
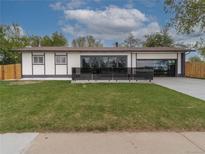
{"x": 103, "y": 49}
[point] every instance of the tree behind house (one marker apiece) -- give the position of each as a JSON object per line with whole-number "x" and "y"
{"x": 160, "y": 39}
{"x": 200, "y": 45}
{"x": 35, "y": 41}
{"x": 56, "y": 39}
{"x": 86, "y": 41}
{"x": 187, "y": 15}
{"x": 46, "y": 41}
{"x": 131, "y": 42}
{"x": 195, "y": 59}
{"x": 11, "y": 38}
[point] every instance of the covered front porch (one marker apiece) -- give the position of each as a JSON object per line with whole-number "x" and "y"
{"x": 112, "y": 74}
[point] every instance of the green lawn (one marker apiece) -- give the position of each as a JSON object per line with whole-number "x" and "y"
{"x": 61, "y": 106}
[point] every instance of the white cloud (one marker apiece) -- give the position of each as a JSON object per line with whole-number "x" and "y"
{"x": 16, "y": 30}
{"x": 70, "y": 4}
{"x": 151, "y": 28}
{"x": 73, "y": 4}
{"x": 187, "y": 39}
{"x": 108, "y": 24}
{"x": 150, "y": 3}
{"x": 114, "y": 23}
{"x": 21, "y": 31}
{"x": 57, "y": 6}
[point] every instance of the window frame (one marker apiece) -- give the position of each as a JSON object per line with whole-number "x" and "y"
{"x": 107, "y": 56}
{"x": 155, "y": 74}
{"x": 33, "y": 56}
{"x": 66, "y": 60}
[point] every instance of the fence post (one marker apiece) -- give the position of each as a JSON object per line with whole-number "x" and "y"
{"x": 201, "y": 70}
{"x": 14, "y": 71}
{"x": 2, "y": 72}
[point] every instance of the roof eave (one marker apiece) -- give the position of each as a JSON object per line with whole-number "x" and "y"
{"x": 38, "y": 49}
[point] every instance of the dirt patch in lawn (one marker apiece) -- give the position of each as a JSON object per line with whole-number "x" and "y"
{"x": 23, "y": 82}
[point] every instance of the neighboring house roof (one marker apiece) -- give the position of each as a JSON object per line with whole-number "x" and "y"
{"x": 103, "y": 49}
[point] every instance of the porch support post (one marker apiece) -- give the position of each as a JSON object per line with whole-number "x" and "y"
{"x": 131, "y": 59}
{"x": 183, "y": 64}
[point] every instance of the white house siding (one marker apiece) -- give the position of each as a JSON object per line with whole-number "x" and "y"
{"x": 38, "y": 69}
{"x": 156, "y": 55}
{"x": 61, "y": 69}
{"x": 179, "y": 71}
{"x": 26, "y": 63}
{"x": 134, "y": 57}
{"x": 49, "y": 63}
{"x": 73, "y": 60}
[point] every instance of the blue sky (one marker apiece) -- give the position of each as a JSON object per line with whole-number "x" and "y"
{"x": 107, "y": 20}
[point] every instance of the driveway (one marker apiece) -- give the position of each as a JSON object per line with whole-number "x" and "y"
{"x": 189, "y": 86}
{"x": 15, "y": 143}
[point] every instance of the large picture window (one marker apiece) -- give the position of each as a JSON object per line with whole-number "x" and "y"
{"x": 103, "y": 61}
{"x": 38, "y": 59}
{"x": 61, "y": 60}
{"x": 162, "y": 67}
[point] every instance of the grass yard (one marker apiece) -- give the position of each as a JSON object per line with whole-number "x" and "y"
{"x": 61, "y": 106}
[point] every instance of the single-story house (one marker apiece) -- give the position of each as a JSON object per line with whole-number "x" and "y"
{"x": 59, "y": 62}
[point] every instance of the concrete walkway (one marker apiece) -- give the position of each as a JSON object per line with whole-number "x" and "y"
{"x": 119, "y": 143}
{"x": 189, "y": 86}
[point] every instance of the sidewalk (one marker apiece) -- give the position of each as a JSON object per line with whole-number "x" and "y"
{"x": 103, "y": 143}
{"x": 119, "y": 143}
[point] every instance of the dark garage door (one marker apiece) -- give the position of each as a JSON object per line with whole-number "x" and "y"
{"x": 162, "y": 67}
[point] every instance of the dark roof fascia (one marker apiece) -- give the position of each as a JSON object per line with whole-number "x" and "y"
{"x": 102, "y": 50}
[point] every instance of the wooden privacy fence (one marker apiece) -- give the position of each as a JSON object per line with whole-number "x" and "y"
{"x": 10, "y": 71}
{"x": 195, "y": 69}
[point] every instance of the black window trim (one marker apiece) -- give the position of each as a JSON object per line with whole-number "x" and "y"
{"x": 81, "y": 56}
{"x": 34, "y": 55}
{"x": 66, "y": 62}
{"x": 175, "y": 59}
